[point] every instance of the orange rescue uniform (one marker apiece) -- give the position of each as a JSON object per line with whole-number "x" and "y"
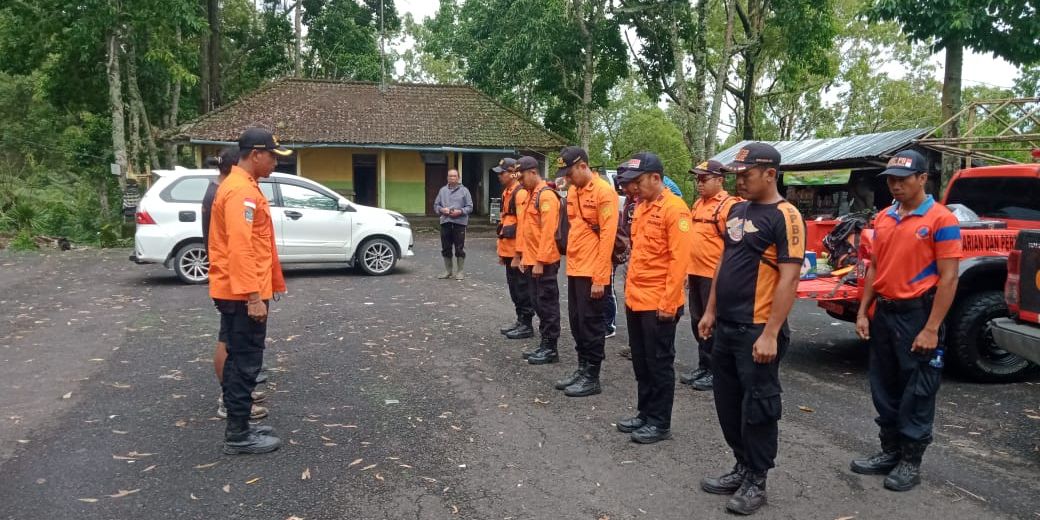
{"x": 660, "y": 253}
{"x": 508, "y": 247}
{"x": 588, "y": 249}
{"x": 242, "y": 253}
{"x": 539, "y": 218}
{"x": 709, "y": 225}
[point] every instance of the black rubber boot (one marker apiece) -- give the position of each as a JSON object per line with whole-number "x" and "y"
{"x": 907, "y": 474}
{"x": 883, "y": 462}
{"x": 546, "y": 353}
{"x": 750, "y": 497}
{"x": 587, "y": 383}
{"x": 572, "y": 377}
{"x": 240, "y": 438}
{"x": 725, "y": 484}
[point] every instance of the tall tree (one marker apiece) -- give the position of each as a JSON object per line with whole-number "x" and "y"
{"x": 1007, "y": 28}
{"x": 343, "y": 37}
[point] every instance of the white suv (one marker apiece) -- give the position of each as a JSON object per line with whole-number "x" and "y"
{"x": 312, "y": 224}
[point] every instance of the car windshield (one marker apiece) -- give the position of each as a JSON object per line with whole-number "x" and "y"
{"x": 1013, "y": 198}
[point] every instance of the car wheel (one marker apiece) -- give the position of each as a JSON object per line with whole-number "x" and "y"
{"x": 970, "y": 337}
{"x": 192, "y": 264}
{"x": 377, "y": 257}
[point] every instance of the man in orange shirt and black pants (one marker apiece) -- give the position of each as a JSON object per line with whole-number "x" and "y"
{"x": 709, "y": 214}
{"x": 513, "y": 197}
{"x": 654, "y": 295}
{"x": 540, "y": 257}
{"x": 754, "y": 290}
{"x": 592, "y": 211}
{"x": 244, "y": 275}
{"x": 913, "y": 274}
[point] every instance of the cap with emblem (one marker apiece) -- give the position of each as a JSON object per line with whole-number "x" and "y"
{"x": 570, "y": 156}
{"x": 905, "y": 164}
{"x": 751, "y": 155}
{"x": 261, "y": 139}
{"x": 639, "y": 164}
{"x": 505, "y": 165}
{"x": 526, "y": 163}
{"x": 709, "y": 167}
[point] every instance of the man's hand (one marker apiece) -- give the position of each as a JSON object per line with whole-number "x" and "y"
{"x": 706, "y": 325}
{"x": 598, "y": 291}
{"x": 863, "y": 327}
{"x": 764, "y": 350}
{"x": 445, "y": 211}
{"x": 516, "y": 263}
{"x": 456, "y": 212}
{"x": 257, "y": 310}
{"x": 662, "y": 316}
{"x": 501, "y": 262}
{"x": 926, "y": 340}
{"x": 537, "y": 270}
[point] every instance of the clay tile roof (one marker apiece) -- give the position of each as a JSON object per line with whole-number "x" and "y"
{"x": 309, "y": 111}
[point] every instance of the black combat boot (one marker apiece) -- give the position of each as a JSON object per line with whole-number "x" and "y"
{"x": 587, "y": 383}
{"x": 511, "y": 326}
{"x": 751, "y": 496}
{"x": 523, "y": 330}
{"x": 907, "y": 474}
{"x": 546, "y": 353}
{"x": 631, "y": 424}
{"x": 725, "y": 484}
{"x": 572, "y": 377}
{"x": 240, "y": 438}
{"x": 689, "y": 377}
{"x": 883, "y": 462}
{"x": 650, "y": 434}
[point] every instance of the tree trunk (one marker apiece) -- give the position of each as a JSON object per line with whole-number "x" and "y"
{"x": 687, "y": 109}
{"x": 204, "y": 78}
{"x": 135, "y": 140}
{"x": 700, "y": 78}
{"x": 721, "y": 78}
{"x": 748, "y": 97}
{"x": 115, "y": 98}
{"x": 173, "y": 116}
{"x": 588, "y": 73}
{"x": 298, "y": 31}
{"x": 213, "y": 11}
{"x": 951, "y": 101}
{"x": 137, "y": 106}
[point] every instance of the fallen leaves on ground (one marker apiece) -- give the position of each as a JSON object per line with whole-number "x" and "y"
{"x": 210, "y": 465}
{"x": 306, "y": 474}
{"x": 87, "y": 500}
{"x": 227, "y": 488}
{"x": 67, "y": 396}
{"x": 355, "y": 463}
{"x": 370, "y": 466}
{"x": 254, "y": 480}
{"x": 806, "y": 409}
{"x": 123, "y": 492}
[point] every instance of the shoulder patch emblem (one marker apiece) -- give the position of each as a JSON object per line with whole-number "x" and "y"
{"x": 545, "y": 207}
{"x": 249, "y": 214}
{"x": 605, "y": 211}
{"x": 684, "y": 225}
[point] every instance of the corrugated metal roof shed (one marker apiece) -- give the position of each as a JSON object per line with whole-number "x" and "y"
{"x": 839, "y": 152}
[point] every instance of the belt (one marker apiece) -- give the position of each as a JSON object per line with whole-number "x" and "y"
{"x": 921, "y": 302}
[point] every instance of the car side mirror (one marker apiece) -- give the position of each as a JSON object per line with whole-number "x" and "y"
{"x": 345, "y": 206}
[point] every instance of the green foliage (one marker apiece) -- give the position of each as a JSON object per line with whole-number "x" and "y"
{"x": 344, "y": 37}
{"x": 23, "y": 241}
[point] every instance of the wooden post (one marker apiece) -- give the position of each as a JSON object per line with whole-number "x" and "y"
{"x": 382, "y": 178}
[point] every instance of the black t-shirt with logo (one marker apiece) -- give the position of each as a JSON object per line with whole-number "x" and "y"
{"x": 207, "y": 210}
{"x": 758, "y": 238}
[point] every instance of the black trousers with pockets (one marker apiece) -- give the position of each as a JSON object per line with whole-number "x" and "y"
{"x": 747, "y": 394}
{"x": 519, "y": 291}
{"x": 453, "y": 236}
{"x": 902, "y": 383}
{"x": 245, "y": 356}
{"x": 700, "y": 289}
{"x": 545, "y": 294}
{"x": 653, "y": 361}
{"x": 586, "y": 319}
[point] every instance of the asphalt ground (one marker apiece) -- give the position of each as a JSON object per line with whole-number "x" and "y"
{"x": 396, "y": 397}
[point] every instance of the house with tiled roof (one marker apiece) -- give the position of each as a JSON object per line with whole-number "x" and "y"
{"x": 389, "y": 146}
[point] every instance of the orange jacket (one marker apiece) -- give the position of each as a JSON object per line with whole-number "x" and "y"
{"x": 538, "y": 222}
{"x": 243, "y": 258}
{"x": 660, "y": 253}
{"x": 588, "y": 250}
{"x": 507, "y": 247}
{"x": 708, "y": 227}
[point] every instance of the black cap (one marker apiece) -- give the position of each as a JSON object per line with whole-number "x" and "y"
{"x": 751, "y": 155}
{"x": 526, "y": 163}
{"x": 709, "y": 167}
{"x": 639, "y": 164}
{"x": 505, "y": 165}
{"x": 905, "y": 164}
{"x": 261, "y": 139}
{"x": 570, "y": 156}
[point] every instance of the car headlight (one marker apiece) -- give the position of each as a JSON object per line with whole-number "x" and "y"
{"x": 399, "y": 220}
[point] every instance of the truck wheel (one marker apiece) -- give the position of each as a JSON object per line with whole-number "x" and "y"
{"x": 192, "y": 264}
{"x": 971, "y": 345}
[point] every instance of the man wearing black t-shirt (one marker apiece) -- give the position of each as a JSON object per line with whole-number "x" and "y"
{"x": 753, "y": 293}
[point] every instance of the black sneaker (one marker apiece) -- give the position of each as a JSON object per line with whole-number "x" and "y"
{"x": 650, "y": 434}
{"x": 704, "y": 383}
{"x": 524, "y": 331}
{"x": 689, "y": 377}
{"x": 631, "y": 424}
{"x": 251, "y": 442}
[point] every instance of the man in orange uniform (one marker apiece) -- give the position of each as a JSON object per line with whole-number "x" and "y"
{"x": 754, "y": 290}
{"x": 540, "y": 257}
{"x": 913, "y": 275}
{"x": 710, "y": 213}
{"x": 244, "y": 275}
{"x": 654, "y": 295}
{"x": 592, "y": 211}
{"x": 513, "y": 197}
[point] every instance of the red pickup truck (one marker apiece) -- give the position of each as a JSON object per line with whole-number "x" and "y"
{"x": 1009, "y": 194}
{"x": 1020, "y": 333}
